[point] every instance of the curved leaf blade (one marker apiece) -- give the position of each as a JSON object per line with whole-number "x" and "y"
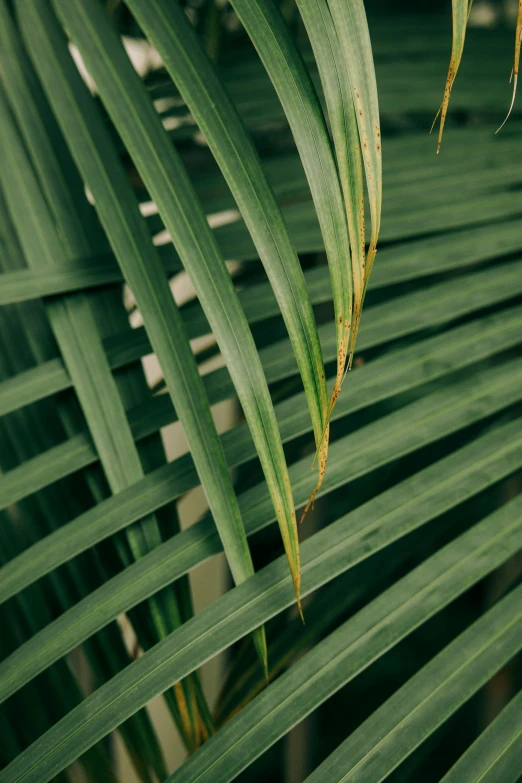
{"x": 389, "y": 618}
{"x": 169, "y": 30}
{"x": 496, "y": 754}
{"x": 116, "y": 204}
{"x": 388, "y": 517}
{"x": 287, "y": 71}
{"x": 166, "y": 179}
{"x": 460, "y": 12}
{"x": 341, "y": 112}
{"x": 352, "y": 28}
{"x": 417, "y": 709}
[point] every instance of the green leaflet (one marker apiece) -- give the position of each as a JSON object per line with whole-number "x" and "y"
{"x": 352, "y": 29}
{"x": 388, "y": 517}
{"x": 468, "y": 345}
{"x": 460, "y": 11}
{"x": 290, "y": 78}
{"x": 497, "y": 754}
{"x": 141, "y": 266}
{"x": 419, "y": 219}
{"x": 77, "y": 334}
{"x": 341, "y": 112}
{"x": 389, "y": 618}
{"x": 269, "y": 34}
{"x": 400, "y": 433}
{"x": 169, "y": 30}
{"x": 170, "y": 187}
{"x": 417, "y": 709}
{"x": 107, "y": 399}
{"x": 344, "y": 79}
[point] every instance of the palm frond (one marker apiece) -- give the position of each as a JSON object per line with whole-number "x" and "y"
{"x": 268, "y": 155}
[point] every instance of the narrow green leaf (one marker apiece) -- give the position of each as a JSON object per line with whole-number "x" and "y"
{"x": 116, "y": 205}
{"x": 497, "y": 753}
{"x": 168, "y": 183}
{"x": 287, "y": 71}
{"x": 78, "y": 274}
{"x": 169, "y": 30}
{"x": 391, "y": 516}
{"x": 402, "y": 220}
{"x": 366, "y": 636}
{"x": 417, "y": 709}
{"x": 341, "y": 112}
{"x": 352, "y": 28}
{"x": 31, "y": 385}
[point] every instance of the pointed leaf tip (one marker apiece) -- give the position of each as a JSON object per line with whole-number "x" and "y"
{"x": 516, "y": 61}
{"x": 460, "y": 15}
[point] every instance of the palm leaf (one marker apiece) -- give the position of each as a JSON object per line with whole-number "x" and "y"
{"x": 429, "y": 698}
{"x": 170, "y": 31}
{"x": 412, "y": 600}
{"x": 418, "y": 530}
{"x": 496, "y": 754}
{"x": 470, "y": 470}
{"x": 73, "y": 320}
{"x": 131, "y": 247}
{"x": 460, "y": 12}
{"x": 188, "y": 226}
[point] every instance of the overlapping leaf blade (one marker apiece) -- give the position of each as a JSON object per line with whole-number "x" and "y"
{"x": 369, "y": 634}
{"x": 496, "y": 754}
{"x": 124, "y": 227}
{"x": 394, "y": 515}
{"x": 169, "y": 30}
{"x": 74, "y": 320}
{"x": 428, "y": 699}
{"x": 170, "y": 186}
{"x": 433, "y": 418}
{"x": 347, "y": 277}
{"x": 287, "y": 71}
{"x": 354, "y": 37}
